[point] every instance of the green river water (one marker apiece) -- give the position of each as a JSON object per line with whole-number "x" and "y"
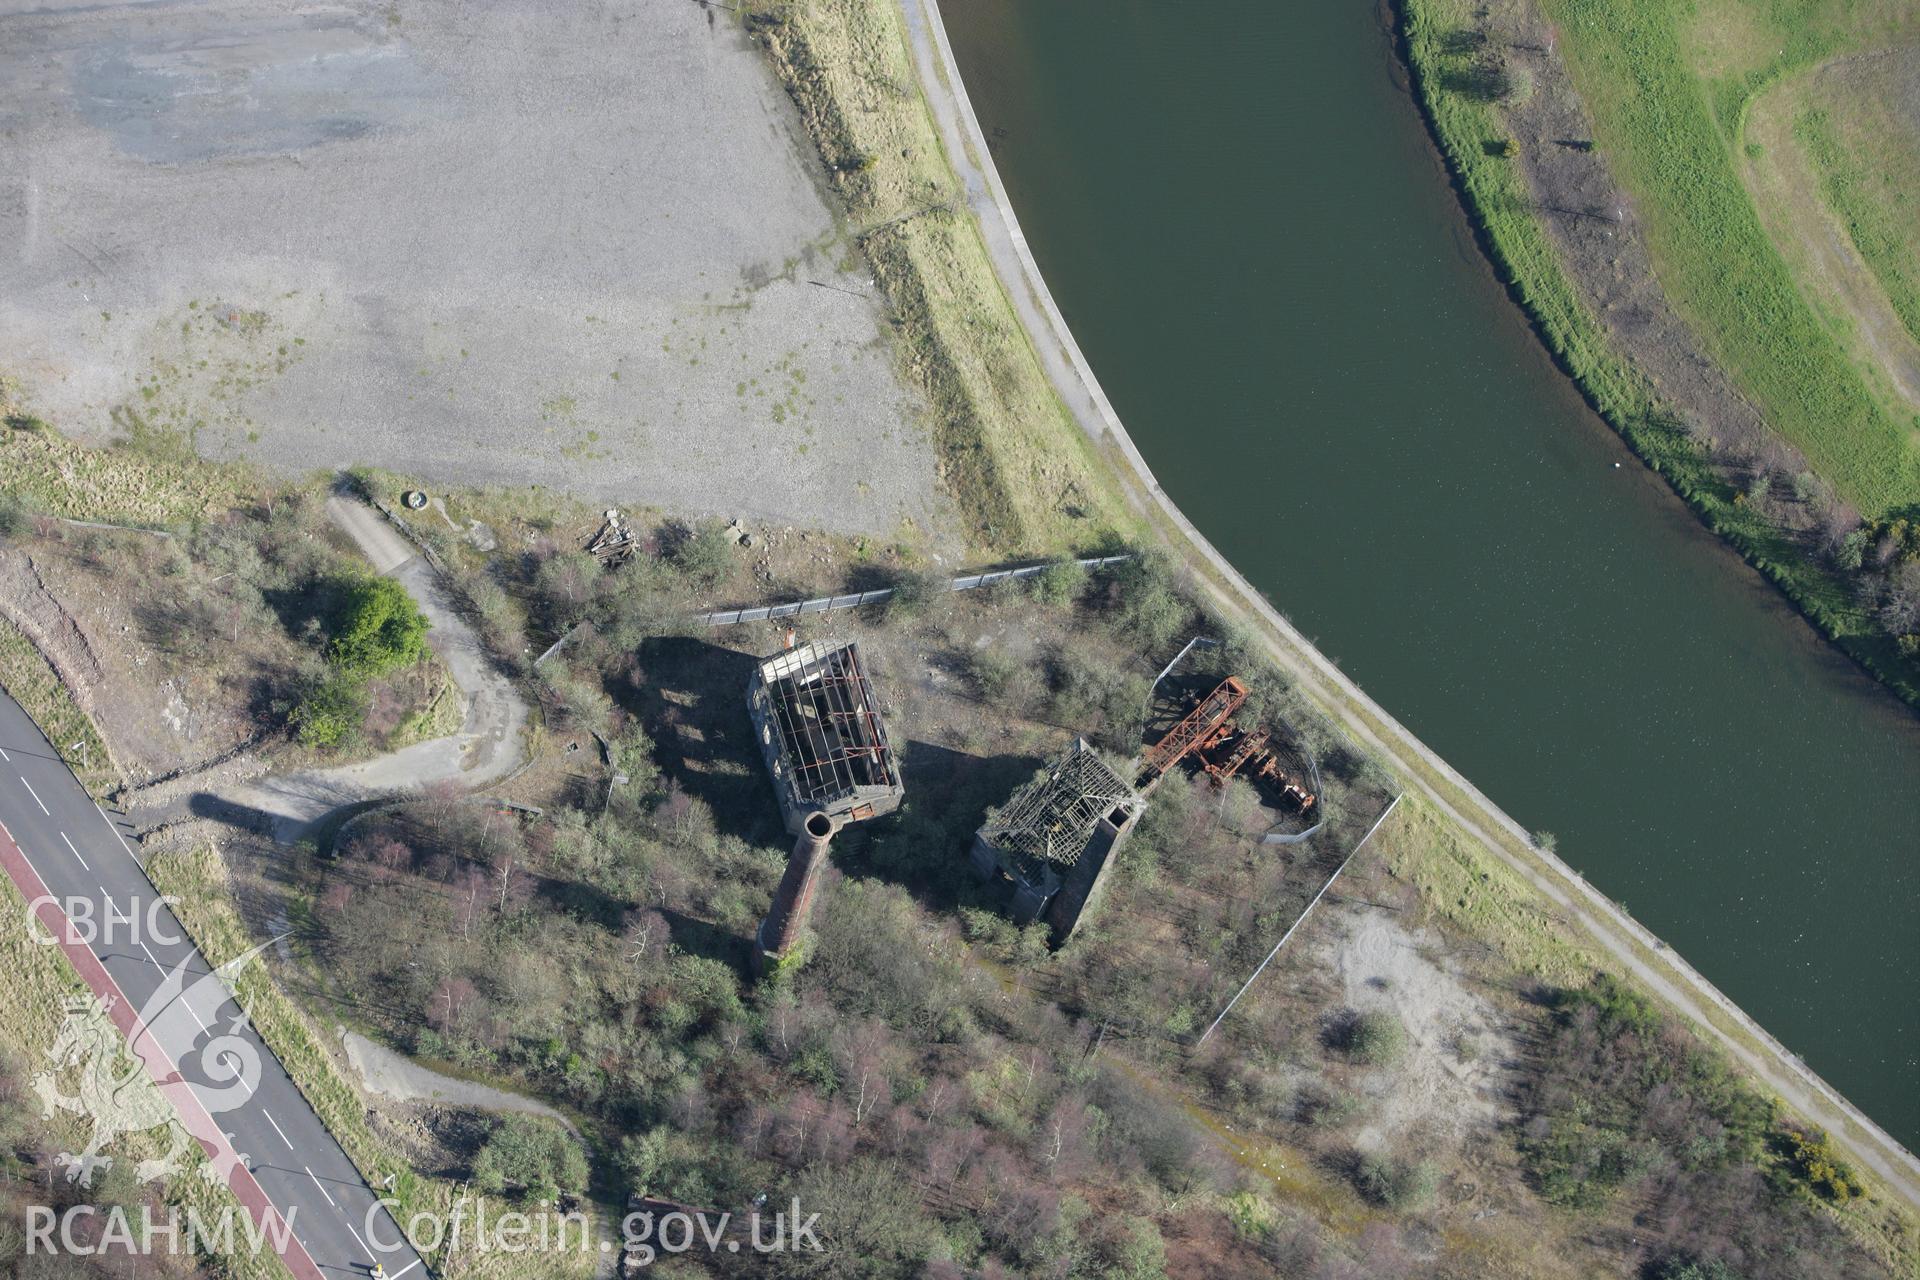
{"x": 1239, "y": 212}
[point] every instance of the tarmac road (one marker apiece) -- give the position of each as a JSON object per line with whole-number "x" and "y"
{"x": 86, "y": 864}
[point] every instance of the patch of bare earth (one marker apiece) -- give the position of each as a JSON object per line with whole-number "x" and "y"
{"x": 1454, "y": 1076}
{"x": 156, "y": 718}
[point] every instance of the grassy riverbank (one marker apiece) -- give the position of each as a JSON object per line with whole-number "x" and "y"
{"x": 1023, "y": 475}
{"x": 1669, "y": 89}
{"x": 1839, "y": 428}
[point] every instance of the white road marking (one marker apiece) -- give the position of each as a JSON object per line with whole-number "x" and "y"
{"x": 5, "y": 756}
{"x": 323, "y": 1190}
{"x": 196, "y": 1017}
{"x": 36, "y": 797}
{"x": 152, "y": 957}
{"x": 75, "y": 852}
{"x": 238, "y": 1069}
{"x": 363, "y": 1243}
{"x": 276, "y": 1127}
{"x": 116, "y": 831}
{"x": 402, "y": 1271}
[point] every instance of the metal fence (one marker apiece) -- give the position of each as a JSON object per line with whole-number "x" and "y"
{"x": 828, "y": 604}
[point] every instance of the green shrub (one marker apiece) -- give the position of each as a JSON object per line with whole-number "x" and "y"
{"x": 1814, "y": 1166}
{"x": 1696, "y": 1269}
{"x": 1060, "y": 583}
{"x": 1580, "y": 1165}
{"x": 1395, "y": 1184}
{"x": 14, "y": 514}
{"x": 1003, "y": 680}
{"x": 1377, "y": 1038}
{"x": 566, "y": 584}
{"x": 914, "y": 593}
{"x": 1621, "y": 1009}
{"x": 536, "y": 1156}
{"x": 378, "y": 629}
{"x": 704, "y": 554}
{"x": 330, "y": 712}
{"x": 1149, "y": 609}
{"x": 1091, "y": 698}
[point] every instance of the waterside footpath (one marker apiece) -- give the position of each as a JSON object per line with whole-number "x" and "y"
{"x": 976, "y": 187}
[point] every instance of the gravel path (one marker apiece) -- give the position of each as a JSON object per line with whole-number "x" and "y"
{"x": 394, "y": 1075}
{"x": 487, "y": 747}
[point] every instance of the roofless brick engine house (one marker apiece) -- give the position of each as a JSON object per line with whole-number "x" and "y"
{"x": 827, "y": 752}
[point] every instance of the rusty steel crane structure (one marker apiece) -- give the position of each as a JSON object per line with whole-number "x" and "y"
{"x": 1203, "y": 726}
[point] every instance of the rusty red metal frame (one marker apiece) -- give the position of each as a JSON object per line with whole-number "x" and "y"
{"x": 832, "y": 737}
{"x": 1200, "y": 728}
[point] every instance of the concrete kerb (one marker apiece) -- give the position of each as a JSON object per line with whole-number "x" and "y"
{"x": 1668, "y": 974}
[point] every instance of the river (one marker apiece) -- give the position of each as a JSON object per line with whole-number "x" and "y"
{"x": 1239, "y": 213}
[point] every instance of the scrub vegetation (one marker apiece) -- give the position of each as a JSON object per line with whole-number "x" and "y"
{"x": 372, "y": 628}
{"x": 972, "y": 1101}
{"x": 246, "y": 620}
{"x": 191, "y": 871}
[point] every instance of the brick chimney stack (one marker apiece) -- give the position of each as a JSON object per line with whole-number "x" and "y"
{"x": 793, "y": 900}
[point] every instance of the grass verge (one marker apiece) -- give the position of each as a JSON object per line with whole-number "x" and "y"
{"x": 27, "y": 678}
{"x": 198, "y": 879}
{"x": 39, "y": 977}
{"x": 121, "y": 486}
{"x": 1024, "y": 476}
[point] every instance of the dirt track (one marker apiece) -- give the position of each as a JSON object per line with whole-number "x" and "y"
{"x": 488, "y": 746}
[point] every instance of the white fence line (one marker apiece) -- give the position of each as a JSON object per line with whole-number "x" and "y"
{"x": 828, "y": 604}
{"x": 1297, "y": 923}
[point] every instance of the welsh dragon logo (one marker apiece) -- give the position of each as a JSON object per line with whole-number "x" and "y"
{"x": 114, "y": 1089}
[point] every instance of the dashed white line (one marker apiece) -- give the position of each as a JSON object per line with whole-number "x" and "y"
{"x": 232, "y": 1063}
{"x": 5, "y": 756}
{"x": 36, "y": 797}
{"x": 363, "y": 1243}
{"x": 276, "y": 1126}
{"x": 75, "y": 852}
{"x": 152, "y": 957}
{"x": 323, "y": 1191}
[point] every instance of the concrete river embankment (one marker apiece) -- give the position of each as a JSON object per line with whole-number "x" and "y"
{"x": 1243, "y": 222}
